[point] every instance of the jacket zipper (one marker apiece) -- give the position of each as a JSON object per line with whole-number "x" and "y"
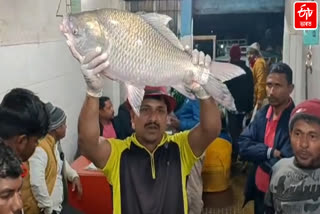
{"x": 153, "y": 170}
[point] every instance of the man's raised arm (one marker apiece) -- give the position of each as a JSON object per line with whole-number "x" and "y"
{"x": 210, "y": 120}
{"x": 92, "y": 65}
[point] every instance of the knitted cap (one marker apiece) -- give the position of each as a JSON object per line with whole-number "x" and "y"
{"x": 56, "y": 116}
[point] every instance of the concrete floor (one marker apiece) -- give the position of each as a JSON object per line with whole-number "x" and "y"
{"x": 231, "y": 200}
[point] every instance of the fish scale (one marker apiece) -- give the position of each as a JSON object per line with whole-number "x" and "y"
{"x": 143, "y": 51}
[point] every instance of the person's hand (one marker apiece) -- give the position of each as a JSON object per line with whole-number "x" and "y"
{"x": 277, "y": 154}
{"x": 76, "y": 186}
{"x": 47, "y": 210}
{"x": 92, "y": 66}
{"x": 199, "y": 58}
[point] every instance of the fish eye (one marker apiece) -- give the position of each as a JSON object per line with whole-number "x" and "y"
{"x": 75, "y": 31}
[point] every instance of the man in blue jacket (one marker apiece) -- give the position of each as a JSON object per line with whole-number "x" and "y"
{"x": 266, "y": 140}
{"x": 188, "y": 115}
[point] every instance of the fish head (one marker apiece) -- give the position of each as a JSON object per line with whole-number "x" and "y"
{"x": 83, "y": 32}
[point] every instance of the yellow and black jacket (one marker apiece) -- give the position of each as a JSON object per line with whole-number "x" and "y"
{"x": 259, "y": 73}
{"x": 144, "y": 182}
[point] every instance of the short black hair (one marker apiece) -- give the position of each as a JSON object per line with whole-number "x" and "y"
{"x": 305, "y": 117}
{"x": 22, "y": 112}
{"x": 282, "y": 68}
{"x": 102, "y": 101}
{"x": 10, "y": 164}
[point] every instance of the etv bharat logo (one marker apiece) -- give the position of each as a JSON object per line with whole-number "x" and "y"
{"x": 305, "y": 15}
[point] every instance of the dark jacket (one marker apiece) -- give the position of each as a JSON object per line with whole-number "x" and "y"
{"x": 121, "y": 123}
{"x": 253, "y": 149}
{"x": 242, "y": 88}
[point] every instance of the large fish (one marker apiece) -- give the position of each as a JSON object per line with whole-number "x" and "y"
{"x": 143, "y": 51}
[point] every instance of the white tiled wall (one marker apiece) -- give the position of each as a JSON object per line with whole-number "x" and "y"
{"x": 50, "y": 71}
{"x": 294, "y": 53}
{"x": 34, "y": 56}
{"x": 95, "y": 4}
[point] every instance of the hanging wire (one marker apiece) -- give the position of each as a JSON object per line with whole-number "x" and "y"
{"x": 309, "y": 60}
{"x": 308, "y": 70}
{"x": 68, "y": 8}
{"x": 57, "y": 13}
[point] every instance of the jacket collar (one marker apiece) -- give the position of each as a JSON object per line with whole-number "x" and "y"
{"x": 270, "y": 110}
{"x": 137, "y": 143}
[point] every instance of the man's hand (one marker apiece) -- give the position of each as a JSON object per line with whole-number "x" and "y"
{"x": 199, "y": 58}
{"x": 76, "y": 186}
{"x": 277, "y": 154}
{"x": 47, "y": 210}
{"x": 92, "y": 66}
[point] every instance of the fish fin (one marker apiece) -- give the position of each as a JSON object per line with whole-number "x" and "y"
{"x": 220, "y": 92}
{"x": 135, "y": 97}
{"x": 220, "y": 73}
{"x": 156, "y": 18}
{"x": 225, "y": 71}
{"x": 160, "y": 22}
{"x": 183, "y": 91}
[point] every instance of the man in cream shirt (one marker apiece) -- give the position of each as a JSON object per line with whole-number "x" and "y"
{"x": 45, "y": 188}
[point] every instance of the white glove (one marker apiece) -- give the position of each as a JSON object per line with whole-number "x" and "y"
{"x": 92, "y": 66}
{"x": 199, "y": 58}
{"x": 48, "y": 210}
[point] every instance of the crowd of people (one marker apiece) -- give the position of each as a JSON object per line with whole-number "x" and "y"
{"x": 153, "y": 160}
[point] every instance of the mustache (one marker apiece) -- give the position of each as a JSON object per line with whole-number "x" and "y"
{"x": 272, "y": 98}
{"x": 152, "y": 124}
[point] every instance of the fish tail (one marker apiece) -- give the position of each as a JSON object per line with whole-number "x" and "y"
{"x": 219, "y": 73}
{"x": 220, "y": 92}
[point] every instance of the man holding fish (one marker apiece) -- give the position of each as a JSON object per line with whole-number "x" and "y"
{"x": 147, "y": 171}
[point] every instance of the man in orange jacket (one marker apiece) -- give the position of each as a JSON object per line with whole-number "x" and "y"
{"x": 259, "y": 71}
